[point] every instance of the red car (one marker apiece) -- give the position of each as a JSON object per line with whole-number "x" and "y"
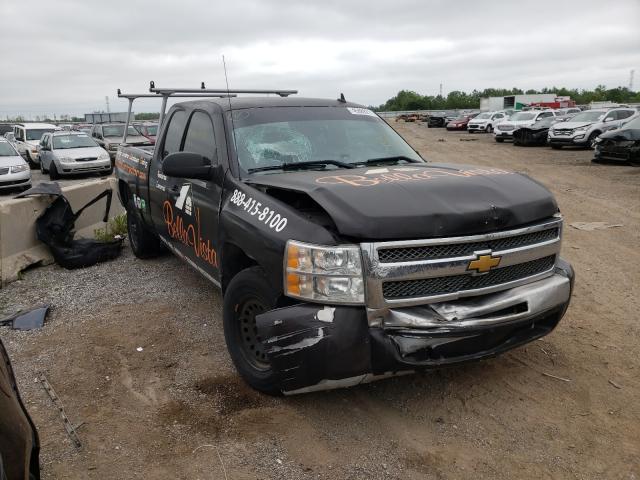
{"x": 461, "y": 122}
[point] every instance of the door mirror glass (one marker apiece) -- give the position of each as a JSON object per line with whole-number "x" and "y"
{"x": 187, "y": 165}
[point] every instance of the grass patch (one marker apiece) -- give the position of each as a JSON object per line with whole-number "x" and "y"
{"x": 116, "y": 226}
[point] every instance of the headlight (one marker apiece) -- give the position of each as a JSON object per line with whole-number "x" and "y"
{"x": 103, "y": 156}
{"x": 324, "y": 274}
{"x": 19, "y": 168}
{"x": 66, "y": 160}
{"x": 582, "y": 129}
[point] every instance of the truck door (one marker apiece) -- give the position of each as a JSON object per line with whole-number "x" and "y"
{"x": 190, "y": 212}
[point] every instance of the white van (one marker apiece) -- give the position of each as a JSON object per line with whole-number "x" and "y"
{"x": 27, "y": 138}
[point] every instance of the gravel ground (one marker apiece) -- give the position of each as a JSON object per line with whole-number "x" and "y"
{"x": 177, "y": 409}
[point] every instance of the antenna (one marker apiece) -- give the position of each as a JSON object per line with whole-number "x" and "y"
{"x": 233, "y": 127}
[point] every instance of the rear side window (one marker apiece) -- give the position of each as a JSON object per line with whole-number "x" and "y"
{"x": 175, "y": 130}
{"x": 200, "y": 137}
{"x": 622, "y": 114}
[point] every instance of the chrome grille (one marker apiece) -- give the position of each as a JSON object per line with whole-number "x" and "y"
{"x": 416, "y": 272}
{"x": 410, "y": 254}
{"x": 459, "y": 283}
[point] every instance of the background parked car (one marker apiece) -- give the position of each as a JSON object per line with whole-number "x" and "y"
{"x": 27, "y": 138}
{"x": 622, "y": 144}
{"x": 14, "y": 170}
{"x": 5, "y": 127}
{"x": 440, "y": 119}
{"x": 109, "y": 136}
{"x": 66, "y": 153}
{"x": 504, "y": 130}
{"x": 485, "y": 122}
{"x": 533, "y": 135}
{"x": 583, "y": 129}
{"x": 461, "y": 122}
{"x": 10, "y": 137}
{"x": 148, "y": 129}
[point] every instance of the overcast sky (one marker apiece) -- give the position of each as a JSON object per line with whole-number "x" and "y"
{"x": 65, "y": 56}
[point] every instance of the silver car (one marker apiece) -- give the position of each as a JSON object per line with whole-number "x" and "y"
{"x": 109, "y": 136}
{"x": 66, "y": 153}
{"x": 583, "y": 129}
{"x": 14, "y": 170}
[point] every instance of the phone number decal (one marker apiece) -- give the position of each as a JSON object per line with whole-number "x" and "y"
{"x": 254, "y": 208}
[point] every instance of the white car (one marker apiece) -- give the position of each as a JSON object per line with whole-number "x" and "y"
{"x": 486, "y": 121}
{"x": 583, "y": 129}
{"x": 504, "y": 130}
{"x": 14, "y": 171}
{"x": 27, "y": 138}
{"x": 66, "y": 153}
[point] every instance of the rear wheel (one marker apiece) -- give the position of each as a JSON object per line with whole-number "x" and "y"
{"x": 143, "y": 243}
{"x": 592, "y": 139}
{"x": 249, "y": 294}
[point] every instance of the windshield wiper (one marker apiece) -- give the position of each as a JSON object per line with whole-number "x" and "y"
{"x": 302, "y": 165}
{"x": 393, "y": 159}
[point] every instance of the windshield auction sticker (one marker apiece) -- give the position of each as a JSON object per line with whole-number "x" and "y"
{"x": 361, "y": 111}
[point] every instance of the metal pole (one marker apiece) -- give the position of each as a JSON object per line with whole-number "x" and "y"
{"x": 163, "y": 108}
{"x": 126, "y": 127}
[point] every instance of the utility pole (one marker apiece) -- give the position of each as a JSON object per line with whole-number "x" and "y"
{"x": 631, "y": 80}
{"x": 106, "y": 99}
{"x": 441, "y": 89}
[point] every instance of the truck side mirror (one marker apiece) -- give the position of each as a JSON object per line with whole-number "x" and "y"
{"x": 187, "y": 165}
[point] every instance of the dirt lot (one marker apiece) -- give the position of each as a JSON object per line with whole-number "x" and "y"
{"x": 177, "y": 409}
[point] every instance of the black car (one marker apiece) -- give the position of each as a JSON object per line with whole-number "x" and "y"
{"x": 621, "y": 145}
{"x": 533, "y": 135}
{"x": 19, "y": 444}
{"x": 440, "y": 119}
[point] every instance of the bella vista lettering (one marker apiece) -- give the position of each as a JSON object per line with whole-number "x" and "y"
{"x": 189, "y": 235}
{"x": 401, "y": 176}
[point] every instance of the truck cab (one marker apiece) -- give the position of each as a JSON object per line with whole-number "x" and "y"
{"x": 342, "y": 255}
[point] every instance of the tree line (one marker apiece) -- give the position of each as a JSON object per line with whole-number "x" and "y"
{"x": 410, "y": 100}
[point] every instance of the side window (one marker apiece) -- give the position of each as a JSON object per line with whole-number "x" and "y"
{"x": 545, "y": 114}
{"x": 200, "y": 137}
{"x": 175, "y": 130}
{"x": 622, "y": 114}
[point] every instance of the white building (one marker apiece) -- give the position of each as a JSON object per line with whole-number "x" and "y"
{"x": 517, "y": 102}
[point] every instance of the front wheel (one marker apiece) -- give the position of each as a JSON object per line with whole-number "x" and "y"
{"x": 143, "y": 243}
{"x": 249, "y": 294}
{"x": 53, "y": 172}
{"x": 42, "y": 169}
{"x": 592, "y": 139}
{"x": 489, "y": 129}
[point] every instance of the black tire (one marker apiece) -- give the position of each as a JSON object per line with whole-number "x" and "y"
{"x": 556, "y": 147}
{"x": 500, "y": 140}
{"x": 248, "y": 294}
{"x": 592, "y": 139}
{"x": 489, "y": 129}
{"x": 144, "y": 244}
{"x": 53, "y": 171}
{"x": 32, "y": 164}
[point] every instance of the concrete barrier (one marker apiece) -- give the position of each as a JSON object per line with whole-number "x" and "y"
{"x": 19, "y": 247}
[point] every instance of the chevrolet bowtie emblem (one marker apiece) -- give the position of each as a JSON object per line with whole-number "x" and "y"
{"x": 484, "y": 263}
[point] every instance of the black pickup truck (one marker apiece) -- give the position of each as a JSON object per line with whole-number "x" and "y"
{"x": 342, "y": 255}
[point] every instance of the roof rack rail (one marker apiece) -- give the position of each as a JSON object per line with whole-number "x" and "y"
{"x": 202, "y": 89}
{"x": 165, "y": 96}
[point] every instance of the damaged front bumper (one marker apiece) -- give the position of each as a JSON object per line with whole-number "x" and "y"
{"x": 315, "y": 347}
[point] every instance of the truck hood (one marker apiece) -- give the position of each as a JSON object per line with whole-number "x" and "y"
{"x": 418, "y": 201}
